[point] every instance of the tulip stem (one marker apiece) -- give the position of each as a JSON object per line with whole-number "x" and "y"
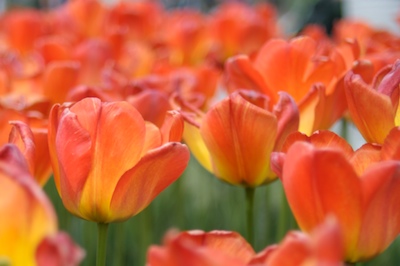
{"x": 101, "y": 244}
{"x": 344, "y": 129}
{"x": 250, "y": 214}
{"x": 350, "y": 264}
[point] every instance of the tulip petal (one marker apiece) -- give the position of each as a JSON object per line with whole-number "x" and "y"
{"x": 287, "y": 114}
{"x": 141, "y": 184}
{"x": 331, "y": 186}
{"x": 381, "y": 222}
{"x": 240, "y": 74}
{"x": 119, "y": 141}
{"x": 73, "y": 146}
{"x": 391, "y": 146}
{"x": 227, "y": 242}
{"x": 240, "y": 137}
{"x": 371, "y": 111}
{"x": 172, "y": 128}
{"x": 365, "y": 156}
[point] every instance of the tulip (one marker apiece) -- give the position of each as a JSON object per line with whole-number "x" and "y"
{"x": 374, "y": 108}
{"x": 298, "y": 68}
{"x": 359, "y": 188}
{"x": 235, "y": 138}
{"x": 108, "y": 163}
{"x": 29, "y": 216}
{"x": 201, "y": 248}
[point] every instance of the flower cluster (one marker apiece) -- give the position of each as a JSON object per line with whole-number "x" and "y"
{"x": 111, "y": 101}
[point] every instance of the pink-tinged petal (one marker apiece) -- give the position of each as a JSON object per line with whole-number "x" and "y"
{"x": 331, "y": 186}
{"x": 294, "y": 250}
{"x": 153, "y": 138}
{"x": 226, "y": 242}
{"x": 59, "y": 249}
{"x": 173, "y": 126}
{"x": 277, "y": 160}
{"x": 240, "y": 74}
{"x": 371, "y": 111}
{"x": 321, "y": 139}
{"x": 73, "y": 148}
{"x": 389, "y": 85}
{"x": 381, "y": 221}
{"x": 328, "y": 242}
{"x": 287, "y": 113}
{"x": 141, "y": 184}
{"x": 365, "y": 156}
{"x": 182, "y": 251}
{"x": 391, "y": 146}
{"x": 240, "y": 138}
{"x": 34, "y": 145}
{"x": 112, "y": 154}
{"x": 59, "y": 79}
{"x": 311, "y": 109}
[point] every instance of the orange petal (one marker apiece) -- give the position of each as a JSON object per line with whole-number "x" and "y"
{"x": 118, "y": 141}
{"x": 371, "y": 111}
{"x": 391, "y": 146}
{"x": 311, "y": 109}
{"x": 59, "y": 78}
{"x": 240, "y": 74}
{"x": 288, "y": 118}
{"x": 240, "y": 137}
{"x": 381, "y": 221}
{"x": 331, "y": 186}
{"x": 365, "y": 156}
{"x": 141, "y": 184}
{"x": 172, "y": 128}
{"x": 73, "y": 153}
{"x": 153, "y": 138}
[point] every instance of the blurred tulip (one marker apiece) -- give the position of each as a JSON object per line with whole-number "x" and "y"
{"x": 108, "y": 163}
{"x": 235, "y": 138}
{"x": 298, "y": 68}
{"x": 34, "y": 146}
{"x": 215, "y": 248}
{"x": 30, "y": 217}
{"x": 374, "y": 108}
{"x": 358, "y": 188}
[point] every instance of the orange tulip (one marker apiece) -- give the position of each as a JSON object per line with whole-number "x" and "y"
{"x": 28, "y": 218}
{"x": 298, "y": 68}
{"x": 196, "y": 247}
{"x": 235, "y": 138}
{"x": 108, "y": 163}
{"x": 374, "y": 108}
{"x": 359, "y": 188}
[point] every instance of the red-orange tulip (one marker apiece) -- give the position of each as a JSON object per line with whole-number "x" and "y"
{"x": 108, "y": 163}
{"x": 358, "y": 188}
{"x": 198, "y": 248}
{"x": 235, "y": 138}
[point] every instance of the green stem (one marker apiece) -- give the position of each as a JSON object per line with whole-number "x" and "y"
{"x": 283, "y": 217}
{"x": 101, "y": 244}
{"x": 350, "y": 264}
{"x": 250, "y": 214}
{"x": 344, "y": 128}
